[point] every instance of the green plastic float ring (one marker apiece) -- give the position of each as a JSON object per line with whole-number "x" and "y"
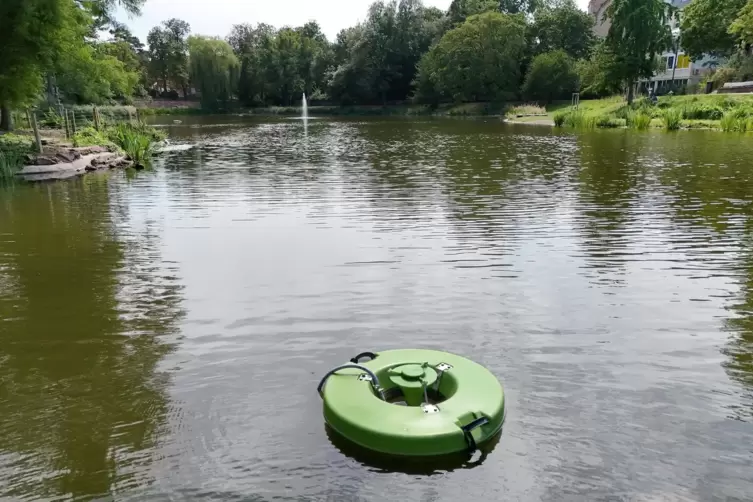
{"x": 413, "y": 402}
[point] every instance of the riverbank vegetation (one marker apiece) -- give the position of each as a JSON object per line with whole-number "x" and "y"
{"x": 729, "y": 113}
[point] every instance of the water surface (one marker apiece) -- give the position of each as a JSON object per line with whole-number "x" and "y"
{"x": 162, "y": 334}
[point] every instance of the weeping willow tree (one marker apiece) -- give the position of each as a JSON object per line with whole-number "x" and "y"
{"x": 214, "y": 71}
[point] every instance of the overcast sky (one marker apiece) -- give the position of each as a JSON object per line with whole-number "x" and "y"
{"x": 216, "y": 17}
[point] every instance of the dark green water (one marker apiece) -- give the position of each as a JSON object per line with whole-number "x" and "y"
{"x": 161, "y": 335}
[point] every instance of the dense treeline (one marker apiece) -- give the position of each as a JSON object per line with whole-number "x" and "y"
{"x": 477, "y": 50}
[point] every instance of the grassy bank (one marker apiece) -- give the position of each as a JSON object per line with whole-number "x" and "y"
{"x": 729, "y": 113}
{"x": 725, "y": 112}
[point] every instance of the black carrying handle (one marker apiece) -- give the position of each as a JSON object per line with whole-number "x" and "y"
{"x": 358, "y": 358}
{"x": 467, "y": 432}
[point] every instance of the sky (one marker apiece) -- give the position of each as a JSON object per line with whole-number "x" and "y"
{"x": 216, "y": 17}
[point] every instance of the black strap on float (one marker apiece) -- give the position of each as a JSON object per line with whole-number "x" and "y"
{"x": 467, "y": 432}
{"x": 360, "y": 356}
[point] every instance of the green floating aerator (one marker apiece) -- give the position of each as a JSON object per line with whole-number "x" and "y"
{"x": 413, "y": 402}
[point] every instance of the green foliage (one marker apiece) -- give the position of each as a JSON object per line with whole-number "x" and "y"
{"x": 16, "y": 143}
{"x": 742, "y": 26}
{"x": 736, "y": 119}
{"x": 478, "y": 61}
{"x": 561, "y": 27}
{"x": 672, "y": 119}
{"x": 729, "y": 123}
{"x": 598, "y": 74}
{"x": 214, "y": 71}
{"x": 579, "y": 119}
{"x": 89, "y": 136}
{"x": 10, "y": 164}
{"x": 702, "y": 111}
{"x": 460, "y": 10}
{"x": 137, "y": 143}
{"x": 136, "y": 140}
{"x": 521, "y": 6}
{"x": 32, "y": 34}
{"x": 13, "y": 151}
{"x": 705, "y": 27}
{"x": 607, "y": 122}
{"x": 639, "y": 31}
{"x": 551, "y": 76}
{"x": 87, "y": 74}
{"x": 559, "y": 118}
{"x": 130, "y": 52}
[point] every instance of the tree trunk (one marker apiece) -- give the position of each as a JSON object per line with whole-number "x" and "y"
{"x": 631, "y": 89}
{"x": 6, "y": 118}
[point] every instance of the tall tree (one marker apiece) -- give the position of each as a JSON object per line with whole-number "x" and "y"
{"x": 478, "y": 61}
{"x": 563, "y": 26}
{"x": 130, "y": 51}
{"x": 168, "y": 53}
{"x": 214, "y": 71}
{"x": 705, "y": 27}
{"x": 382, "y": 53}
{"x": 639, "y": 31}
{"x": 31, "y": 35}
{"x": 249, "y": 43}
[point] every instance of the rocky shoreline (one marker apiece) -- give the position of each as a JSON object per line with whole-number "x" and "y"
{"x": 56, "y": 163}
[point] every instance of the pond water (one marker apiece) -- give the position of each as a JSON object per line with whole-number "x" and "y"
{"x": 162, "y": 333}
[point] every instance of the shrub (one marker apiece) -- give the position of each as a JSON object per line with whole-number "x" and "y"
{"x": 526, "y": 110}
{"x": 733, "y": 123}
{"x": 578, "y": 119}
{"x": 559, "y": 118}
{"x": 551, "y": 76}
{"x": 89, "y": 136}
{"x": 697, "y": 111}
{"x": 136, "y": 141}
{"x": 52, "y": 119}
{"x": 639, "y": 120}
{"x": 672, "y": 119}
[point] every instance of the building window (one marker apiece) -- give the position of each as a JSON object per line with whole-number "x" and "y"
{"x": 683, "y": 61}
{"x": 670, "y": 62}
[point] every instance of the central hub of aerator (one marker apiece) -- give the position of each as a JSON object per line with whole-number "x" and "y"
{"x": 412, "y": 378}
